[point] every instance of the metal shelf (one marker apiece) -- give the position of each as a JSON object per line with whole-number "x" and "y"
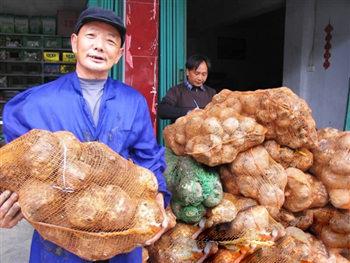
{"x": 20, "y": 61}
{"x": 20, "y": 75}
{"x": 14, "y": 88}
{"x": 32, "y": 35}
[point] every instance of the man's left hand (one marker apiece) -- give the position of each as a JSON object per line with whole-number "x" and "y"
{"x": 160, "y": 200}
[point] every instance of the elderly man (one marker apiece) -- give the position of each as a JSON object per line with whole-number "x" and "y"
{"x": 92, "y": 106}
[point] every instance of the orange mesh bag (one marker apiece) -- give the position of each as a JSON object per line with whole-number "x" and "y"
{"x": 295, "y": 246}
{"x": 304, "y": 191}
{"x": 332, "y": 227}
{"x": 287, "y": 116}
{"x": 249, "y": 230}
{"x": 214, "y": 135}
{"x": 331, "y": 165}
{"x": 259, "y": 177}
{"x": 81, "y": 196}
{"x": 287, "y": 157}
{"x": 226, "y": 211}
{"x": 224, "y": 255}
{"x": 177, "y": 246}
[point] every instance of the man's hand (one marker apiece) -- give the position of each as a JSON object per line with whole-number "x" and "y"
{"x": 160, "y": 200}
{"x": 10, "y": 211}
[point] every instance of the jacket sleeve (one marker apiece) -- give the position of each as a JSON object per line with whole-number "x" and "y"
{"x": 14, "y": 117}
{"x": 168, "y": 109}
{"x": 147, "y": 153}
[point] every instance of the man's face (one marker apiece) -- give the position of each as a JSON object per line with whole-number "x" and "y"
{"x": 198, "y": 76}
{"x": 98, "y": 48}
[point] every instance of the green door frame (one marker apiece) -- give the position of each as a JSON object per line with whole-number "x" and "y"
{"x": 172, "y": 50}
{"x": 117, "y": 71}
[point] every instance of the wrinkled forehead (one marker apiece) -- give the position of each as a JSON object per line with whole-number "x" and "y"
{"x": 98, "y": 26}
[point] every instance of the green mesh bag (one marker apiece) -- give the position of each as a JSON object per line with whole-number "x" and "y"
{"x": 188, "y": 214}
{"x": 193, "y": 185}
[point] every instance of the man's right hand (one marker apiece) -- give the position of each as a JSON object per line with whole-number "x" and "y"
{"x": 10, "y": 211}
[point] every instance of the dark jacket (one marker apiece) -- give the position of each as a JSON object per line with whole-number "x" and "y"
{"x": 179, "y": 100}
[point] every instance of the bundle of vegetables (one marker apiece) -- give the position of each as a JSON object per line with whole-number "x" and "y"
{"x": 303, "y": 191}
{"x": 332, "y": 166}
{"x": 193, "y": 185}
{"x": 224, "y": 212}
{"x": 333, "y": 228}
{"x": 295, "y": 246}
{"x": 214, "y": 135}
{"x": 177, "y": 246}
{"x": 259, "y": 177}
{"x": 288, "y": 157}
{"x": 276, "y": 192}
{"x": 81, "y": 196}
{"x": 287, "y": 116}
{"x": 252, "y": 227}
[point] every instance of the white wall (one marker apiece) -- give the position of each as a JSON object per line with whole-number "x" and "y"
{"x": 325, "y": 90}
{"x": 40, "y": 7}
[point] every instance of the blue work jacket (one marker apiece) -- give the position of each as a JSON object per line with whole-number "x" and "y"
{"x": 124, "y": 125}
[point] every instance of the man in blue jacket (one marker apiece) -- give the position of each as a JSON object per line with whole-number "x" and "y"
{"x": 92, "y": 106}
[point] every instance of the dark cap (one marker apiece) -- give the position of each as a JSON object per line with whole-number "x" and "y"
{"x": 102, "y": 15}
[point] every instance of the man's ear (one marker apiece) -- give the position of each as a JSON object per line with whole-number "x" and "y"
{"x": 73, "y": 41}
{"x": 120, "y": 53}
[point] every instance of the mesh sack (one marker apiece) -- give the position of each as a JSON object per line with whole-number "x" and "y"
{"x": 304, "y": 191}
{"x": 295, "y": 246}
{"x": 288, "y": 157}
{"x": 331, "y": 165}
{"x": 250, "y": 229}
{"x": 225, "y": 255}
{"x": 259, "y": 177}
{"x": 177, "y": 246}
{"x": 81, "y": 196}
{"x": 214, "y": 135}
{"x": 224, "y": 212}
{"x": 287, "y": 116}
{"x": 193, "y": 186}
{"x": 332, "y": 227}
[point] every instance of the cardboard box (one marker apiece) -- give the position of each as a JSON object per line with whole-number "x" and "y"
{"x": 51, "y": 69}
{"x": 66, "y": 43}
{"x": 21, "y": 24}
{"x": 69, "y": 57}
{"x": 14, "y": 41}
{"x": 52, "y": 56}
{"x": 64, "y": 69}
{"x": 31, "y": 41}
{"x": 49, "y": 25}
{"x": 52, "y": 42}
{"x": 66, "y": 21}
{"x": 35, "y": 25}
{"x": 7, "y": 23}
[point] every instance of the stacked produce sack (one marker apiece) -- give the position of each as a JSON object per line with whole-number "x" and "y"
{"x": 286, "y": 186}
{"x": 81, "y": 196}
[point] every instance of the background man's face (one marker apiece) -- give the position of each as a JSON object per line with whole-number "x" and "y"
{"x": 98, "y": 48}
{"x": 198, "y": 76}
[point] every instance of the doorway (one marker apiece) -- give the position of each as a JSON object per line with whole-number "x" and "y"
{"x": 243, "y": 39}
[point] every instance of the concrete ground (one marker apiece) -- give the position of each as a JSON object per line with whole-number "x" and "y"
{"x": 15, "y": 243}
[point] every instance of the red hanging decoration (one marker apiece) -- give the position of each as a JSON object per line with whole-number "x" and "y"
{"x": 328, "y": 45}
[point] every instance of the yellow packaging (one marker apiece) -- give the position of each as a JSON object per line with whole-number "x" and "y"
{"x": 67, "y": 68}
{"x": 69, "y": 57}
{"x": 51, "y": 56}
